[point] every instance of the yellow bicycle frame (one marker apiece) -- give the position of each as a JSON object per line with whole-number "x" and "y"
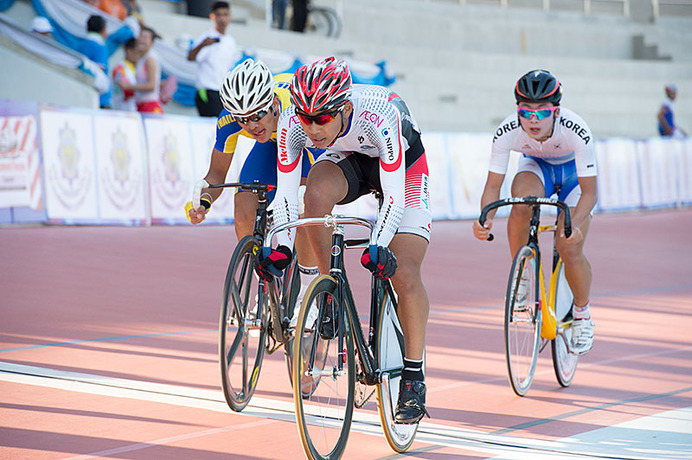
{"x": 549, "y": 324}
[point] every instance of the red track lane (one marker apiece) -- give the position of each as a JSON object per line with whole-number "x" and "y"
{"x": 142, "y": 304}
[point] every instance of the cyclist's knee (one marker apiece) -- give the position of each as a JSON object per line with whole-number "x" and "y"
{"x": 407, "y": 277}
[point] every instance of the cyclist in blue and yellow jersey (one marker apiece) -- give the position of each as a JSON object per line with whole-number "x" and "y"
{"x": 558, "y": 155}
{"x": 253, "y": 99}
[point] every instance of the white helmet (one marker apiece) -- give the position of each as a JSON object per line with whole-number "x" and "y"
{"x": 247, "y": 88}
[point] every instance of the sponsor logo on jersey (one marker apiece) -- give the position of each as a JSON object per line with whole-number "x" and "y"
{"x": 425, "y": 192}
{"x": 507, "y": 127}
{"x": 580, "y": 131}
{"x": 371, "y": 117}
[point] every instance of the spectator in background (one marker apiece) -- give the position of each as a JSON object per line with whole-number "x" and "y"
{"x": 96, "y": 49}
{"x": 215, "y": 54}
{"x": 134, "y": 10}
{"x": 279, "y": 13}
{"x": 99, "y": 46}
{"x": 300, "y": 15}
{"x": 113, "y": 8}
{"x": 124, "y": 75}
{"x": 147, "y": 75}
{"x": 41, "y": 26}
{"x": 666, "y": 116}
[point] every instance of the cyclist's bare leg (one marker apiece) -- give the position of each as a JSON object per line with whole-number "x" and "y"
{"x": 414, "y": 307}
{"x": 244, "y": 213}
{"x": 577, "y": 266}
{"x": 525, "y": 184}
{"x": 325, "y": 187}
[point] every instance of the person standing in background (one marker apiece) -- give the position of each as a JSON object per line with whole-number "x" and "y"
{"x": 215, "y": 54}
{"x": 147, "y": 74}
{"x": 124, "y": 74}
{"x": 666, "y": 116}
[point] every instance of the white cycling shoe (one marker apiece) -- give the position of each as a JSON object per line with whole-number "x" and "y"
{"x": 582, "y": 335}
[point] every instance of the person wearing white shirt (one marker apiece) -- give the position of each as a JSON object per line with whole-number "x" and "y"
{"x": 215, "y": 54}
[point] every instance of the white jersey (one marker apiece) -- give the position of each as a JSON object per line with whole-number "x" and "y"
{"x": 380, "y": 126}
{"x": 571, "y": 141}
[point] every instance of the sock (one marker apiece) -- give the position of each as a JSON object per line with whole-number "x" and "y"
{"x": 307, "y": 274}
{"x": 581, "y": 312}
{"x": 413, "y": 369}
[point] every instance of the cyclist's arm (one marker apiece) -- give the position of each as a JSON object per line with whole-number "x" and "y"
{"x": 589, "y": 195}
{"x": 290, "y": 155}
{"x": 392, "y": 177}
{"x": 491, "y": 192}
{"x": 218, "y": 169}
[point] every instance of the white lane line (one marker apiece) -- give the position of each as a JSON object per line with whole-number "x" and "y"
{"x": 367, "y": 423}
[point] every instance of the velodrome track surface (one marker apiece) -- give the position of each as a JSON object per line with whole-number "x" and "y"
{"x": 108, "y": 349}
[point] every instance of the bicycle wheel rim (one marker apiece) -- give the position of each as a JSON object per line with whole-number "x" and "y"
{"x": 390, "y": 357}
{"x": 522, "y": 325}
{"x": 241, "y": 340}
{"x": 325, "y": 412}
{"x": 564, "y": 362}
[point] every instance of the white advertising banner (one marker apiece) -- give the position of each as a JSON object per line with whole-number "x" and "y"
{"x": 657, "y": 163}
{"x": 684, "y": 171}
{"x": 20, "y": 180}
{"x": 67, "y": 141}
{"x": 171, "y": 167}
{"x": 121, "y": 168}
{"x": 436, "y": 154}
{"x": 469, "y": 158}
{"x": 619, "y": 185}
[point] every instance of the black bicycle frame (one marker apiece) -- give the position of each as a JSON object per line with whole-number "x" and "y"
{"x": 344, "y": 298}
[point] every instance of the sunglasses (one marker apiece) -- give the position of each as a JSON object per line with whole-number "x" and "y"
{"x": 256, "y": 117}
{"x": 320, "y": 119}
{"x": 540, "y": 113}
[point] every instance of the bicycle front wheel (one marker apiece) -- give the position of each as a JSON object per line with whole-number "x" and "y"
{"x": 241, "y": 335}
{"x": 323, "y": 378}
{"x": 390, "y": 358}
{"x": 522, "y": 321}
{"x": 564, "y": 362}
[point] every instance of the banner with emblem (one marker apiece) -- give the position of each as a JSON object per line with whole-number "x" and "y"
{"x": 121, "y": 168}
{"x": 69, "y": 165}
{"x": 20, "y": 183}
{"x": 171, "y": 167}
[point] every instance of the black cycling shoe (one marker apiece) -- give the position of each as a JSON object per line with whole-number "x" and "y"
{"x": 329, "y": 325}
{"x": 411, "y": 406}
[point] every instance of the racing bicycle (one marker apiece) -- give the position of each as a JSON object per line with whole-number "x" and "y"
{"x": 534, "y": 317}
{"x": 346, "y": 366}
{"x": 255, "y": 312}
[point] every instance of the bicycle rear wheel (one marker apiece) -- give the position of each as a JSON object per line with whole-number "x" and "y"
{"x": 564, "y": 362}
{"x": 390, "y": 358}
{"x": 324, "y": 413}
{"x": 241, "y": 335}
{"x": 522, "y": 321}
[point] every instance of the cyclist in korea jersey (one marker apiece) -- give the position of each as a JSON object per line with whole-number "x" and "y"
{"x": 253, "y": 100}
{"x": 557, "y": 150}
{"x": 372, "y": 143}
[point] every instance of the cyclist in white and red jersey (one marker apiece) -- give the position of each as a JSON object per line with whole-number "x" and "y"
{"x": 373, "y": 143}
{"x": 558, "y": 155}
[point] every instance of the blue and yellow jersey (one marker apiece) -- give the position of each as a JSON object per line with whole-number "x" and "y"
{"x": 228, "y": 129}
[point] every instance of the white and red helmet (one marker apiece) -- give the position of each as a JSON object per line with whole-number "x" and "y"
{"x": 322, "y": 86}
